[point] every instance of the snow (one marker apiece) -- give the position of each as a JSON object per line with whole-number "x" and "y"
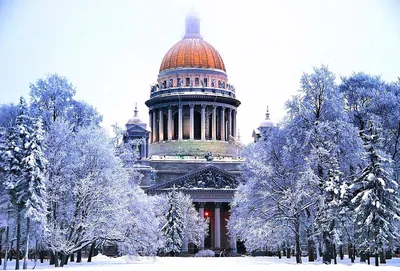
{"x": 103, "y": 263}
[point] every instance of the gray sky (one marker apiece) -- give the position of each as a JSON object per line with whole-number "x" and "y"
{"x": 112, "y": 50}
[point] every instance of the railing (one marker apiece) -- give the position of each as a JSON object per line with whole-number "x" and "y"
{"x": 194, "y": 90}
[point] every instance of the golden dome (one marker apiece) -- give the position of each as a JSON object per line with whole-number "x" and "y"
{"x": 192, "y": 51}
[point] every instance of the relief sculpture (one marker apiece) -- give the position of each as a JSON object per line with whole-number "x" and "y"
{"x": 208, "y": 179}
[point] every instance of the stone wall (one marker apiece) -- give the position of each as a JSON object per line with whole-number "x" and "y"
{"x": 193, "y": 148}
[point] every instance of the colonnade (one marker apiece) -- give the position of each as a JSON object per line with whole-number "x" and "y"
{"x": 193, "y": 121}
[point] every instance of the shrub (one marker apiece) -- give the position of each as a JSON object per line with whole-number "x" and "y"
{"x": 205, "y": 253}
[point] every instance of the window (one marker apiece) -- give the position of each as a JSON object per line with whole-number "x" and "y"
{"x": 187, "y": 81}
{"x": 171, "y": 83}
{"x": 179, "y": 82}
{"x": 213, "y": 83}
{"x": 196, "y": 81}
{"x": 205, "y": 82}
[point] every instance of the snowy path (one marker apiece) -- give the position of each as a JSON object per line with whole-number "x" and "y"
{"x": 102, "y": 263}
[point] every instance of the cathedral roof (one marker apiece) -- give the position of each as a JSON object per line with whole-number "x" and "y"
{"x": 136, "y": 119}
{"x": 192, "y": 51}
{"x": 267, "y": 122}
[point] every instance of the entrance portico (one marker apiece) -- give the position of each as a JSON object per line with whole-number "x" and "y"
{"x": 211, "y": 190}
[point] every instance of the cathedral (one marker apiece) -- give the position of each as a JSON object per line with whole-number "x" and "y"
{"x": 191, "y": 141}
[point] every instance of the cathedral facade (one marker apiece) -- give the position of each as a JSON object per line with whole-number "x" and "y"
{"x": 191, "y": 141}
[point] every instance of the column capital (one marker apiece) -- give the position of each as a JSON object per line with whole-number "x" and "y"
{"x": 191, "y": 106}
{"x": 203, "y": 106}
{"x": 218, "y": 204}
{"x": 202, "y": 204}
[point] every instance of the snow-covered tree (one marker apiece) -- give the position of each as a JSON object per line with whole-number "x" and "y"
{"x": 376, "y": 200}
{"x": 52, "y": 98}
{"x": 88, "y": 189}
{"x": 195, "y": 227}
{"x": 174, "y": 228}
{"x": 141, "y": 230}
{"x": 24, "y": 167}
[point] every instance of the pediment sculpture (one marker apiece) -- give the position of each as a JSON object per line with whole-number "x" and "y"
{"x": 208, "y": 179}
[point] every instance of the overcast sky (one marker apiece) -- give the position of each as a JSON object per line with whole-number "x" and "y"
{"x": 112, "y": 50}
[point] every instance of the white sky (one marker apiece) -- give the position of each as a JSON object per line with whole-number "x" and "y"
{"x": 112, "y": 50}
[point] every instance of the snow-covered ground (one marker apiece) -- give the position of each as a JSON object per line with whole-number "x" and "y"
{"x": 102, "y": 263}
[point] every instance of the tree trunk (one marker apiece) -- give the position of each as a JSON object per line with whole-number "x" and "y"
{"x": 66, "y": 259}
{"x": 63, "y": 260}
{"x": 310, "y": 248}
{"x": 279, "y": 254}
{"x": 382, "y": 258}
{"x": 297, "y": 236}
{"x": 341, "y": 253}
{"x": 362, "y": 257}
{"x": 350, "y": 249}
{"x": 72, "y": 258}
{"x": 376, "y": 259}
{"x": 52, "y": 258}
{"x": 1, "y": 244}
{"x": 17, "y": 254}
{"x": 326, "y": 257}
{"x": 79, "y": 256}
{"x": 41, "y": 255}
{"x": 25, "y": 265}
{"x": 288, "y": 252}
{"x": 317, "y": 248}
{"x": 56, "y": 259}
{"x": 368, "y": 258}
{"x": 6, "y": 248}
{"x": 284, "y": 251}
{"x": 388, "y": 254}
{"x": 91, "y": 252}
{"x": 334, "y": 254}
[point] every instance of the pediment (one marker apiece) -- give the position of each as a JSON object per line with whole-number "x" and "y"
{"x": 208, "y": 178}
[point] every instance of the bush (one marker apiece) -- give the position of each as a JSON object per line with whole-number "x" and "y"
{"x": 205, "y": 253}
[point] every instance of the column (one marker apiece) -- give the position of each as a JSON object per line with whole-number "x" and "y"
{"x": 234, "y": 123}
{"x": 223, "y": 123}
{"x": 151, "y": 125}
{"x": 203, "y": 122}
{"x": 147, "y": 147}
{"x": 170, "y": 123}
{"x": 214, "y": 123}
{"x": 201, "y": 213}
{"x": 180, "y": 128}
{"x": 217, "y": 227}
{"x": 229, "y": 123}
{"x": 153, "y": 129}
{"x": 142, "y": 151}
{"x": 191, "y": 121}
{"x": 161, "y": 125}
